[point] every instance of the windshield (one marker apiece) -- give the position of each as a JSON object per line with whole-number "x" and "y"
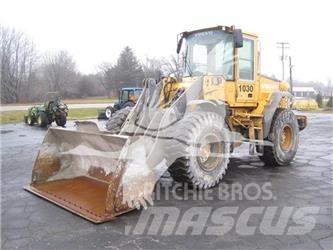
{"x": 209, "y": 52}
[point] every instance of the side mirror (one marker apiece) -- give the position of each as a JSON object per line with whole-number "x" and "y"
{"x": 179, "y": 45}
{"x": 238, "y": 38}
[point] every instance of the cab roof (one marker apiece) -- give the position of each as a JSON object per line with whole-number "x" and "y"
{"x": 219, "y": 27}
{"x": 131, "y": 88}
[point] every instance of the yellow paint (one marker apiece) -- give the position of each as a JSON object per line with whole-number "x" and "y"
{"x": 246, "y": 99}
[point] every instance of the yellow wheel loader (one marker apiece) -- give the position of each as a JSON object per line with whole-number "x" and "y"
{"x": 186, "y": 126}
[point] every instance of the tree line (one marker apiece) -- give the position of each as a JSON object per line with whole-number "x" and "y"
{"x": 27, "y": 75}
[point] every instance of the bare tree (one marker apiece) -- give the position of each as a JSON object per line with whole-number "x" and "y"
{"x": 105, "y": 78}
{"x": 152, "y": 68}
{"x": 172, "y": 66}
{"x": 59, "y": 72}
{"x": 24, "y": 77}
{"x": 89, "y": 85}
{"x": 17, "y": 70}
{"x": 157, "y": 68}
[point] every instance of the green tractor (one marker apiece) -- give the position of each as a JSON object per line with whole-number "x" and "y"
{"x": 54, "y": 109}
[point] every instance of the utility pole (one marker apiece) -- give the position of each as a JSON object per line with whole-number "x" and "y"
{"x": 291, "y": 75}
{"x": 283, "y": 46}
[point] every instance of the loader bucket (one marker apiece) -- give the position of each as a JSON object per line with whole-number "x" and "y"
{"x": 81, "y": 171}
{"x": 99, "y": 175}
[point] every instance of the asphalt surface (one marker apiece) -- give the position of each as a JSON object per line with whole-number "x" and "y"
{"x": 28, "y": 222}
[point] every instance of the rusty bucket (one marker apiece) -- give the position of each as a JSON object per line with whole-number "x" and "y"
{"x": 81, "y": 172}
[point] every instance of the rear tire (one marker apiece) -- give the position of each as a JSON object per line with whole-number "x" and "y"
{"x": 284, "y": 136}
{"x": 42, "y": 119}
{"x": 202, "y": 139}
{"x": 116, "y": 122}
{"x": 61, "y": 120}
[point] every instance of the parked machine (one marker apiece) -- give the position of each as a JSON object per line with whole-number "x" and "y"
{"x": 53, "y": 109}
{"x": 127, "y": 98}
{"x": 187, "y": 126}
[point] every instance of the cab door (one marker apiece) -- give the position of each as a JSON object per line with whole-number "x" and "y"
{"x": 247, "y": 87}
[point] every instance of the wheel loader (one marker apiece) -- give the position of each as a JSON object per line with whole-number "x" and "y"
{"x": 187, "y": 126}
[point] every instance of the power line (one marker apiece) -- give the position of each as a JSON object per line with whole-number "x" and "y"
{"x": 291, "y": 75}
{"x": 283, "y": 46}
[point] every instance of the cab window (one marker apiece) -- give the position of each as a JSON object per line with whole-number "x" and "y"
{"x": 130, "y": 95}
{"x": 137, "y": 94}
{"x": 246, "y": 60}
{"x": 125, "y": 95}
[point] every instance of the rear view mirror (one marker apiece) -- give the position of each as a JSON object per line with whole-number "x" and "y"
{"x": 238, "y": 38}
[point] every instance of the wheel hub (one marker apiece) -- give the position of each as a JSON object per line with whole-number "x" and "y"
{"x": 108, "y": 113}
{"x": 210, "y": 153}
{"x": 286, "y": 138}
{"x": 204, "y": 152}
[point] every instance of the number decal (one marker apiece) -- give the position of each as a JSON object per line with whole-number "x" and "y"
{"x": 245, "y": 88}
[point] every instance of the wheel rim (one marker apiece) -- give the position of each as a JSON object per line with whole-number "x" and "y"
{"x": 108, "y": 113}
{"x": 29, "y": 120}
{"x": 286, "y": 138}
{"x": 210, "y": 153}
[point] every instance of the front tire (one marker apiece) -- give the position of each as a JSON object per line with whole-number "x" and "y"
{"x": 284, "y": 136}
{"x": 29, "y": 120}
{"x": 203, "y": 140}
{"x": 42, "y": 120}
{"x": 61, "y": 120}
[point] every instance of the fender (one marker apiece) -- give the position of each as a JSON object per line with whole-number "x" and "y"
{"x": 215, "y": 106}
{"x": 271, "y": 108}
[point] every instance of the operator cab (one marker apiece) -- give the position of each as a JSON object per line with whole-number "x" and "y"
{"x": 129, "y": 94}
{"x": 212, "y": 51}
{"x": 223, "y": 52}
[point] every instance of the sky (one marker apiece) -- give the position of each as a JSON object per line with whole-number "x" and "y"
{"x": 96, "y": 31}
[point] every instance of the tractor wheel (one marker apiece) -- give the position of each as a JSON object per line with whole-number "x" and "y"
{"x": 109, "y": 111}
{"x": 284, "y": 135}
{"x": 61, "y": 120}
{"x": 29, "y": 120}
{"x": 115, "y": 123}
{"x": 42, "y": 120}
{"x": 202, "y": 139}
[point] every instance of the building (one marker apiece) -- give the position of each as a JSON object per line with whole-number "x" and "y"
{"x": 304, "y": 92}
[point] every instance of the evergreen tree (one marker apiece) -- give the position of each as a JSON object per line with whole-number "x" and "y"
{"x": 319, "y": 100}
{"x": 128, "y": 71}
